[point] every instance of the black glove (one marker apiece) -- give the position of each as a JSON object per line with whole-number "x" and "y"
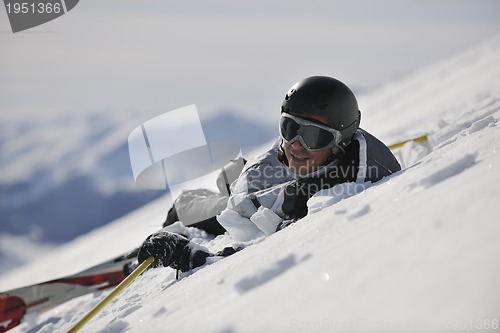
{"x": 174, "y": 250}
{"x": 295, "y": 200}
{"x": 298, "y": 192}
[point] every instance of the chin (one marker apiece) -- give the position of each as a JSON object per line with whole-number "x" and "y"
{"x": 299, "y": 169}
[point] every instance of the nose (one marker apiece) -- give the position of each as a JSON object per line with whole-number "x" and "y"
{"x": 296, "y": 145}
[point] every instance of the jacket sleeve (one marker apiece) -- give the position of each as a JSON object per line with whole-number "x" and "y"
{"x": 252, "y": 214}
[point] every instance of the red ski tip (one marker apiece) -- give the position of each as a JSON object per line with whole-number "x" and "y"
{"x": 12, "y": 309}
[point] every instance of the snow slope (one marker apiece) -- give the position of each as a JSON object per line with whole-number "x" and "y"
{"x": 417, "y": 251}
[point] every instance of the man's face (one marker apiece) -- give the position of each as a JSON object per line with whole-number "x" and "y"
{"x": 302, "y": 161}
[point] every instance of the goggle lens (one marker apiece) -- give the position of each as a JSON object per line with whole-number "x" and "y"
{"x": 313, "y": 136}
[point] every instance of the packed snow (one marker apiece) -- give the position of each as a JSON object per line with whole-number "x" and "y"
{"x": 417, "y": 251}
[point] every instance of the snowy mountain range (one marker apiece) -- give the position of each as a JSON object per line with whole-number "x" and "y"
{"x": 65, "y": 176}
{"x": 417, "y": 251}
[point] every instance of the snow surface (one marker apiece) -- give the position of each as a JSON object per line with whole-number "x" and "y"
{"x": 417, "y": 251}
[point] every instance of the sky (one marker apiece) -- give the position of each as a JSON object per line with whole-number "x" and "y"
{"x": 154, "y": 57}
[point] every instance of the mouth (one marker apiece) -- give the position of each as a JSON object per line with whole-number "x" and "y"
{"x": 299, "y": 158}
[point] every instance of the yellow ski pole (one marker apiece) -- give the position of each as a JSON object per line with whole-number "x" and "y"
{"x": 118, "y": 289}
{"x": 420, "y": 139}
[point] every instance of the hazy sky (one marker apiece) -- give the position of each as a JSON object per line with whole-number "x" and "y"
{"x": 157, "y": 56}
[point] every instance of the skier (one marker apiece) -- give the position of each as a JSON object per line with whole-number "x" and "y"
{"x": 320, "y": 146}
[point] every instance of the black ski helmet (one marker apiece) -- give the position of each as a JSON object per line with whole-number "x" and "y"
{"x": 326, "y": 97}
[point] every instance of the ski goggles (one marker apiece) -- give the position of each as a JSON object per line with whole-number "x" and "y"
{"x": 311, "y": 135}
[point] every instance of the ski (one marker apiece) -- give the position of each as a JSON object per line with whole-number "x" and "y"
{"x": 16, "y": 303}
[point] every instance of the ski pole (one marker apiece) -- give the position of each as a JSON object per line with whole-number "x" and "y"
{"x": 118, "y": 289}
{"x": 420, "y": 139}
